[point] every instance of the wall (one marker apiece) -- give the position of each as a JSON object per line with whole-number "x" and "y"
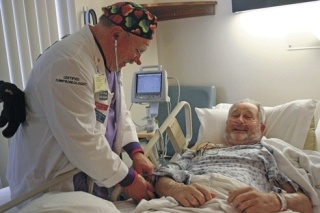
{"x": 244, "y": 54}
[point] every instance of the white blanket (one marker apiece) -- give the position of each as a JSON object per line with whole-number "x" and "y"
{"x": 301, "y": 166}
{"x": 218, "y": 184}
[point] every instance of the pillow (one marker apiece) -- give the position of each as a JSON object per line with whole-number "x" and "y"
{"x": 289, "y": 122}
{"x": 212, "y": 124}
{"x": 64, "y": 202}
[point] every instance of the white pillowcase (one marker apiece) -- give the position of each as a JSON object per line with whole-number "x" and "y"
{"x": 289, "y": 122}
{"x": 69, "y": 202}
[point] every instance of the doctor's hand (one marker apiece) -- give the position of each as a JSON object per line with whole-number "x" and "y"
{"x": 249, "y": 199}
{"x": 142, "y": 164}
{"x": 139, "y": 189}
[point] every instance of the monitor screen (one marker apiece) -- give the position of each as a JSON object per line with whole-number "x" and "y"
{"x": 149, "y": 86}
{"x": 148, "y": 83}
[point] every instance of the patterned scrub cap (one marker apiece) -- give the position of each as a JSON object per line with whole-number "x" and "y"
{"x": 132, "y": 18}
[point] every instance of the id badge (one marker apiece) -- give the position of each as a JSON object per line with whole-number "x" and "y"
{"x": 99, "y": 83}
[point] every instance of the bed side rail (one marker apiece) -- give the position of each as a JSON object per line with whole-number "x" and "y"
{"x": 173, "y": 129}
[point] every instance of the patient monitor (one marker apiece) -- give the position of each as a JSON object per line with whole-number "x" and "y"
{"x": 150, "y": 85}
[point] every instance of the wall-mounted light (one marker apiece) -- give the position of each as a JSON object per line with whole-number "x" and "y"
{"x": 244, "y": 5}
{"x": 298, "y": 24}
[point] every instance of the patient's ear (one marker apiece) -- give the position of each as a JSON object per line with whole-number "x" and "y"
{"x": 262, "y": 127}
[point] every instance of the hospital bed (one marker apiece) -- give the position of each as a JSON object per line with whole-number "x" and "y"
{"x": 296, "y": 123}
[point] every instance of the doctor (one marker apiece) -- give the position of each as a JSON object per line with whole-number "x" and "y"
{"x": 76, "y": 113}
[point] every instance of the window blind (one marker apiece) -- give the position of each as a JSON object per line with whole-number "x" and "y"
{"x": 28, "y": 27}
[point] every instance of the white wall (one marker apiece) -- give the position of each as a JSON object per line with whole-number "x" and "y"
{"x": 245, "y": 54}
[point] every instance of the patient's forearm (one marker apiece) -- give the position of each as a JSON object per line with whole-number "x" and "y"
{"x": 164, "y": 186}
{"x": 299, "y": 202}
{"x": 192, "y": 195}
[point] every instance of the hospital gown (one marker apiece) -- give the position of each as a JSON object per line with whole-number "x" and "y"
{"x": 253, "y": 165}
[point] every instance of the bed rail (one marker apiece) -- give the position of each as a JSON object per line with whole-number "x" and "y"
{"x": 173, "y": 129}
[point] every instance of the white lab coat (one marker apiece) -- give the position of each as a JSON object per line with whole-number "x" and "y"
{"x": 61, "y": 131}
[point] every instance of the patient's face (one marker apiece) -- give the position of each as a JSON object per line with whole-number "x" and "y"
{"x": 243, "y": 125}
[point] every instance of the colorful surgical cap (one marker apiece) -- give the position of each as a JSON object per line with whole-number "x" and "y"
{"x": 132, "y": 18}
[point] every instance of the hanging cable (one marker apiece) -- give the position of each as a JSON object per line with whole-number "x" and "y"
{"x": 90, "y": 13}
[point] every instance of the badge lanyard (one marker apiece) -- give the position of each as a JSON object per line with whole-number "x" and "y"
{"x": 99, "y": 79}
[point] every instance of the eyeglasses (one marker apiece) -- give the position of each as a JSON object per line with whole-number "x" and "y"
{"x": 137, "y": 50}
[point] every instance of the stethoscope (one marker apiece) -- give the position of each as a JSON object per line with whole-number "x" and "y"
{"x": 119, "y": 82}
{"x": 118, "y": 72}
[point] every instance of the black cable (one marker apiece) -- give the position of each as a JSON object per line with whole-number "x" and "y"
{"x": 90, "y": 13}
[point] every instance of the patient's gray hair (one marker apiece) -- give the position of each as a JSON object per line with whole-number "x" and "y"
{"x": 261, "y": 111}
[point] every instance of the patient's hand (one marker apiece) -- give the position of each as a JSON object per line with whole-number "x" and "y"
{"x": 192, "y": 195}
{"x": 249, "y": 199}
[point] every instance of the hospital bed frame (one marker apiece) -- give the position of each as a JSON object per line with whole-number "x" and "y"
{"x": 170, "y": 126}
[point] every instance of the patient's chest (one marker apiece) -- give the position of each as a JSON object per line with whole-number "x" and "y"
{"x": 250, "y": 166}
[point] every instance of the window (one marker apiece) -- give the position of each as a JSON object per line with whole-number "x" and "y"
{"x": 28, "y": 27}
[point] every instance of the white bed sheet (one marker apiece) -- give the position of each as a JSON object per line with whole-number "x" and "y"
{"x": 123, "y": 206}
{"x": 216, "y": 183}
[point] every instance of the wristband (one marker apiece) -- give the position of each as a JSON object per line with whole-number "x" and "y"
{"x": 282, "y": 200}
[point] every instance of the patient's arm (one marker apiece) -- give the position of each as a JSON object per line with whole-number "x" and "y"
{"x": 252, "y": 200}
{"x": 299, "y": 202}
{"x": 192, "y": 195}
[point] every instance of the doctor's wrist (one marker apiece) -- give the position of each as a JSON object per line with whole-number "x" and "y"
{"x": 128, "y": 180}
{"x": 133, "y": 148}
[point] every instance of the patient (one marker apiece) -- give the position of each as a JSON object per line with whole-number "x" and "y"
{"x": 242, "y": 157}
